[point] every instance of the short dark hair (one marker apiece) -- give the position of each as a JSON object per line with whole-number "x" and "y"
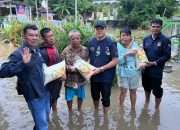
{"x": 44, "y": 31}
{"x": 29, "y": 26}
{"x": 126, "y": 30}
{"x": 157, "y": 21}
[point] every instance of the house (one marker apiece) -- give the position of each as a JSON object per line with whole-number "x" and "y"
{"x": 44, "y": 14}
{"x": 109, "y": 13}
{"x": 6, "y": 7}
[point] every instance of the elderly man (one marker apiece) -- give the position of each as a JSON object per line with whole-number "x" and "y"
{"x": 75, "y": 83}
{"x": 26, "y": 63}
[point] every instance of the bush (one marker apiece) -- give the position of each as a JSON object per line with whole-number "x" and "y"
{"x": 14, "y": 30}
{"x": 144, "y": 25}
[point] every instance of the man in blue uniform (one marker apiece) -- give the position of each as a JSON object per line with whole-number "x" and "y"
{"x": 158, "y": 50}
{"x": 26, "y": 63}
{"x": 103, "y": 55}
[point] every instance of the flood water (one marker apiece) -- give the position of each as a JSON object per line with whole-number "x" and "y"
{"x": 14, "y": 114}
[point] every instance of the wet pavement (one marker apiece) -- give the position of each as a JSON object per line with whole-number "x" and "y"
{"x": 14, "y": 114}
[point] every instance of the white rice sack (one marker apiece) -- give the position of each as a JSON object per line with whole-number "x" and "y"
{"x": 141, "y": 55}
{"x": 54, "y": 72}
{"x": 85, "y": 69}
{"x": 141, "y": 58}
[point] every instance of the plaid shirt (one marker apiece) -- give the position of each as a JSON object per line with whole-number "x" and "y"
{"x": 69, "y": 55}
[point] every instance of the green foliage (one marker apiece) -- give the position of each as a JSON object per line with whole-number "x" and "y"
{"x": 177, "y": 12}
{"x": 62, "y": 7}
{"x": 14, "y": 29}
{"x": 85, "y": 30}
{"x": 144, "y": 25}
{"x": 136, "y": 12}
{"x": 166, "y": 7}
{"x": 67, "y": 7}
{"x": 61, "y": 32}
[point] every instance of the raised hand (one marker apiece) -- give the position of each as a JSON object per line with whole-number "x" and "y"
{"x": 26, "y": 55}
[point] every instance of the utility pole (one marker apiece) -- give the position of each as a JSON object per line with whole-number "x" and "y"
{"x": 44, "y": 4}
{"x": 10, "y": 9}
{"x": 47, "y": 10}
{"x": 37, "y": 14}
{"x": 30, "y": 13}
{"x": 75, "y": 11}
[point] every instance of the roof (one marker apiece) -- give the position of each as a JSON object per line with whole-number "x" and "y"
{"x": 4, "y": 3}
{"x": 105, "y": 1}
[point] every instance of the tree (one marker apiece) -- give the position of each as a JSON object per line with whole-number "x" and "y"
{"x": 67, "y": 7}
{"x": 61, "y": 7}
{"x": 85, "y": 8}
{"x": 137, "y": 12}
{"x": 166, "y": 7}
{"x": 64, "y": 8}
{"x": 133, "y": 12}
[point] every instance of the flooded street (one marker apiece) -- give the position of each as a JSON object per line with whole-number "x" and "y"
{"x": 14, "y": 114}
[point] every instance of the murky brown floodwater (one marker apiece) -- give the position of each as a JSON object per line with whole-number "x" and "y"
{"x": 14, "y": 114}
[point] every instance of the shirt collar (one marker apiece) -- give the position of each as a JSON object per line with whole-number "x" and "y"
{"x": 77, "y": 49}
{"x": 100, "y": 39}
{"x": 154, "y": 37}
{"x": 46, "y": 45}
{"x": 32, "y": 49}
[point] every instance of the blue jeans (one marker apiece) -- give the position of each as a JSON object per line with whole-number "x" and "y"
{"x": 40, "y": 109}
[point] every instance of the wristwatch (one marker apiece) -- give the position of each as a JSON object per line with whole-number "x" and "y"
{"x": 155, "y": 63}
{"x": 101, "y": 69}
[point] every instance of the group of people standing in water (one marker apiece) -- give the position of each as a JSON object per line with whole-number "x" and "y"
{"x": 102, "y": 52}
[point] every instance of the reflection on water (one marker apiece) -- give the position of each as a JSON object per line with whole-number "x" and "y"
{"x": 127, "y": 120}
{"x": 3, "y": 123}
{"x": 148, "y": 121}
{"x": 14, "y": 114}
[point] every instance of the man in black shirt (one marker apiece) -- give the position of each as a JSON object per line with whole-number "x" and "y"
{"x": 158, "y": 50}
